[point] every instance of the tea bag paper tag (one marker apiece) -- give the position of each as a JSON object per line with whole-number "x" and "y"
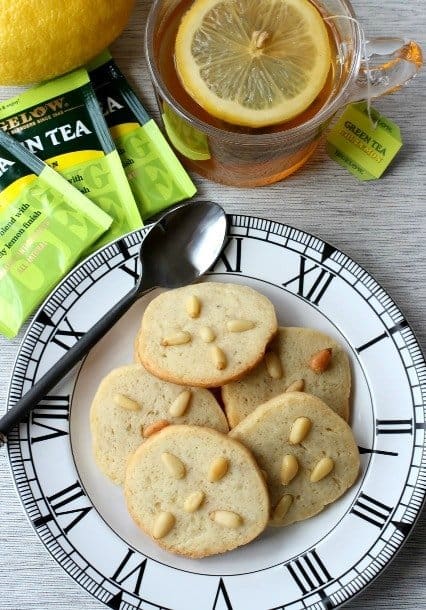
{"x": 365, "y": 146}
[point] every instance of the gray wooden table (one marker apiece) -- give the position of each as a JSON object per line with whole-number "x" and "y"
{"x": 381, "y": 224}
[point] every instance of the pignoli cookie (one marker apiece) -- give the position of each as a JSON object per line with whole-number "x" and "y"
{"x": 196, "y": 491}
{"x": 308, "y": 452}
{"x": 131, "y": 405}
{"x": 205, "y": 334}
{"x": 298, "y": 359}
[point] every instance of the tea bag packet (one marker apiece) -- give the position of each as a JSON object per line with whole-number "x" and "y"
{"x": 45, "y": 227}
{"x": 156, "y": 177}
{"x": 60, "y": 122}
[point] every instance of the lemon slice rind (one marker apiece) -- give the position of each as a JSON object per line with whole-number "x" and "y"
{"x": 231, "y": 111}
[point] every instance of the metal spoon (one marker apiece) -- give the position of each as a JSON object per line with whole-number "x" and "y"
{"x": 178, "y": 249}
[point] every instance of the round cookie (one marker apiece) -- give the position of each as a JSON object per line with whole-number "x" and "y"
{"x": 196, "y": 491}
{"x": 295, "y": 348}
{"x": 308, "y": 452}
{"x": 205, "y": 334}
{"x": 128, "y": 405}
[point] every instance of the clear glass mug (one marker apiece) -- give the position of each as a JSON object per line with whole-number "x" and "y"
{"x": 363, "y": 69}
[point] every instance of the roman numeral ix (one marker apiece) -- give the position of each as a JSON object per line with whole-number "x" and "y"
{"x": 312, "y": 282}
{"x": 50, "y": 419}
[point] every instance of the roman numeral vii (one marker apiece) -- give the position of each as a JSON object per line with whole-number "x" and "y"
{"x": 70, "y": 505}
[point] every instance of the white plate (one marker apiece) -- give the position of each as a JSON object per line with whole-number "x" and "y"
{"x": 318, "y": 564}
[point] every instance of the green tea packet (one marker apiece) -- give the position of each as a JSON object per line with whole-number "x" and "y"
{"x": 61, "y": 122}
{"x": 155, "y": 174}
{"x": 45, "y": 227}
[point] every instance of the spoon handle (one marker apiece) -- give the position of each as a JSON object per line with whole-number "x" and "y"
{"x": 31, "y": 399}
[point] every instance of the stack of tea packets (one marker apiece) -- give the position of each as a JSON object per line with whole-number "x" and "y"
{"x": 81, "y": 164}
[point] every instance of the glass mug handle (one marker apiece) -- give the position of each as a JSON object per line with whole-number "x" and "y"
{"x": 389, "y": 64}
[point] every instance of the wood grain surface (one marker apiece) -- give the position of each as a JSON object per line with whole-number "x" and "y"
{"x": 380, "y": 224}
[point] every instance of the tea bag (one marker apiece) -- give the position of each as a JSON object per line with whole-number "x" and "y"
{"x": 60, "y": 122}
{"x": 156, "y": 176}
{"x": 45, "y": 227}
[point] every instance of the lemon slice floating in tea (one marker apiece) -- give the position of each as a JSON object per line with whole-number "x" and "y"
{"x": 253, "y": 62}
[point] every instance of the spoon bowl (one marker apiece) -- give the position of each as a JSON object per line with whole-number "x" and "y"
{"x": 182, "y": 245}
{"x": 177, "y": 251}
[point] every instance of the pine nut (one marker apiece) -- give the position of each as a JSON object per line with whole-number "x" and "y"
{"x": 163, "y": 524}
{"x": 154, "y": 428}
{"x": 282, "y": 507}
{"x": 174, "y": 465}
{"x": 239, "y": 326}
{"x": 179, "y": 338}
{"x": 219, "y": 358}
{"x": 227, "y": 518}
{"x": 296, "y": 386}
{"x": 207, "y": 334}
{"x": 180, "y": 404}
{"x": 194, "y": 501}
{"x": 273, "y": 365}
{"x": 126, "y": 403}
{"x": 264, "y": 474}
{"x": 321, "y": 360}
{"x": 322, "y": 469}
{"x": 193, "y": 306}
{"x": 218, "y": 469}
{"x": 289, "y": 468}
{"x": 299, "y": 430}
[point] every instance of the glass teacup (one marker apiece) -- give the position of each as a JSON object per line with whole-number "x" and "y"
{"x": 248, "y": 157}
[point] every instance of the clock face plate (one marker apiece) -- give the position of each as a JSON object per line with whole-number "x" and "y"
{"x": 318, "y": 564}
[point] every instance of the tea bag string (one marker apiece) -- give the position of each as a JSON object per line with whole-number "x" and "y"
{"x": 365, "y": 58}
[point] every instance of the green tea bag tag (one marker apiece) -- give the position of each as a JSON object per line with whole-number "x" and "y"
{"x": 363, "y": 145}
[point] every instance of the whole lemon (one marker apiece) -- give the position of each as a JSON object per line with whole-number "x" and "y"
{"x": 41, "y": 39}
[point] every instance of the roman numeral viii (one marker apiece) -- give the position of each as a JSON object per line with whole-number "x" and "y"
{"x": 312, "y": 282}
{"x": 69, "y": 505}
{"x": 50, "y": 419}
{"x": 371, "y": 510}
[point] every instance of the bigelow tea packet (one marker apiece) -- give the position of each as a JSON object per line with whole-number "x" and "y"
{"x": 61, "y": 122}
{"x": 45, "y": 227}
{"x": 156, "y": 176}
